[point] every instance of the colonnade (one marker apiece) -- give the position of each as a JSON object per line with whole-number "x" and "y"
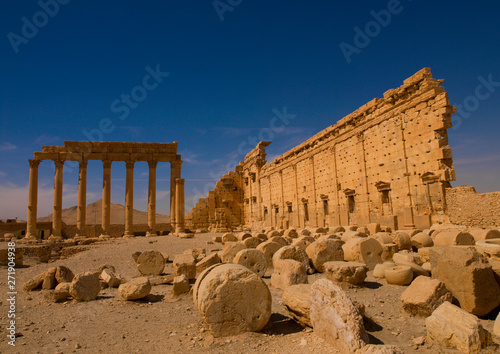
{"x": 176, "y": 189}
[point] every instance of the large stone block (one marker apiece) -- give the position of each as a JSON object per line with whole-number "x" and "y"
{"x": 269, "y": 248}
{"x": 453, "y": 327}
{"x": 252, "y": 259}
{"x": 230, "y": 250}
{"x": 345, "y": 273}
{"x": 402, "y": 240}
{"x": 295, "y": 253}
{"x": 335, "y": 318}
{"x": 424, "y": 295}
{"x": 208, "y": 261}
{"x": 469, "y": 277}
{"x": 85, "y": 287}
{"x": 297, "y": 300}
{"x": 231, "y": 300}
{"x": 482, "y": 234}
{"x": 185, "y": 264}
{"x": 288, "y": 272}
{"x": 454, "y": 238}
{"x": 325, "y": 250}
{"x": 150, "y": 262}
{"x": 135, "y": 289}
{"x": 363, "y": 249}
{"x": 303, "y": 241}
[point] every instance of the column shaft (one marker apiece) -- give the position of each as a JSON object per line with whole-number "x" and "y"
{"x": 106, "y": 198}
{"x": 58, "y": 190}
{"x": 129, "y": 200}
{"x": 82, "y": 200}
{"x": 175, "y": 172}
{"x": 179, "y": 208}
{"x": 31, "y": 231}
{"x": 152, "y": 199}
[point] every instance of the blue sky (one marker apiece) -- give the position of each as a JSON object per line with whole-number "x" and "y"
{"x": 231, "y": 64}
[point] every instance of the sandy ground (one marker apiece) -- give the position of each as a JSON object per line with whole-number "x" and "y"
{"x": 162, "y": 323}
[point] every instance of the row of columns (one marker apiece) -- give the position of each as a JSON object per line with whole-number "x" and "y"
{"x": 176, "y": 199}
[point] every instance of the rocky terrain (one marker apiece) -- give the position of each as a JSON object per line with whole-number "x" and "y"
{"x": 165, "y": 319}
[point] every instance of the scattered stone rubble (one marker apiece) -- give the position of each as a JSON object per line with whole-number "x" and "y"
{"x": 436, "y": 267}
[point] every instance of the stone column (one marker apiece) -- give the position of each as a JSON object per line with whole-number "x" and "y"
{"x": 57, "y": 212}
{"x": 175, "y": 172}
{"x": 82, "y": 200}
{"x": 152, "y": 199}
{"x": 31, "y": 232}
{"x": 179, "y": 208}
{"x": 129, "y": 200}
{"x": 106, "y": 198}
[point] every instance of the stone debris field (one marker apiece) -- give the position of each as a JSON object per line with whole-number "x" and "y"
{"x": 311, "y": 290}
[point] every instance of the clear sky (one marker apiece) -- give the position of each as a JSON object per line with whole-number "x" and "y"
{"x": 77, "y": 70}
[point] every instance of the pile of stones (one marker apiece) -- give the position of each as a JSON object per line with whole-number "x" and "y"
{"x": 437, "y": 266}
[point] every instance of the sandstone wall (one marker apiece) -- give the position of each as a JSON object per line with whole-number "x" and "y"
{"x": 387, "y": 162}
{"x": 19, "y": 228}
{"x": 222, "y": 210}
{"x": 470, "y": 208}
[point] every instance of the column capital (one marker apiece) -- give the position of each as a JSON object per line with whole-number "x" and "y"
{"x": 59, "y": 163}
{"x": 34, "y": 162}
{"x": 179, "y": 181}
{"x": 130, "y": 164}
{"x": 83, "y": 163}
{"x": 152, "y": 164}
{"x": 176, "y": 163}
{"x": 106, "y": 163}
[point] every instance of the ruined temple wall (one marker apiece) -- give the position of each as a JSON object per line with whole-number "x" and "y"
{"x": 397, "y": 144}
{"x": 470, "y": 208}
{"x": 387, "y": 162}
{"x": 223, "y": 208}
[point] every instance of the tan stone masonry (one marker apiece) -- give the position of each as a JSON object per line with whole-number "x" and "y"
{"x": 387, "y": 162}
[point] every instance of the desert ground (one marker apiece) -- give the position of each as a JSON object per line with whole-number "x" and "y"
{"x": 163, "y": 323}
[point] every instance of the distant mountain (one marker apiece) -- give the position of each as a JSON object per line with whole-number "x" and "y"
{"x": 94, "y": 215}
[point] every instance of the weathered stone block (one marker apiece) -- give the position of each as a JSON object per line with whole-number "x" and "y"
{"x": 345, "y": 273}
{"x": 468, "y": 276}
{"x": 135, "y": 289}
{"x": 185, "y": 264}
{"x": 453, "y": 327}
{"x": 297, "y": 300}
{"x": 335, "y": 318}
{"x": 221, "y": 294}
{"x": 366, "y": 250}
{"x": 253, "y": 259}
{"x": 322, "y": 251}
{"x": 424, "y": 295}
{"x": 288, "y": 272}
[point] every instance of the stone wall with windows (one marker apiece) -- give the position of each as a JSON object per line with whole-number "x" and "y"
{"x": 387, "y": 162}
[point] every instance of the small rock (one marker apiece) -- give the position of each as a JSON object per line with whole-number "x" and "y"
{"x": 135, "y": 289}
{"x": 85, "y": 287}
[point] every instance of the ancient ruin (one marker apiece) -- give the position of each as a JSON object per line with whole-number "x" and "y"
{"x": 388, "y": 162}
{"x": 107, "y": 152}
{"x": 353, "y": 241}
